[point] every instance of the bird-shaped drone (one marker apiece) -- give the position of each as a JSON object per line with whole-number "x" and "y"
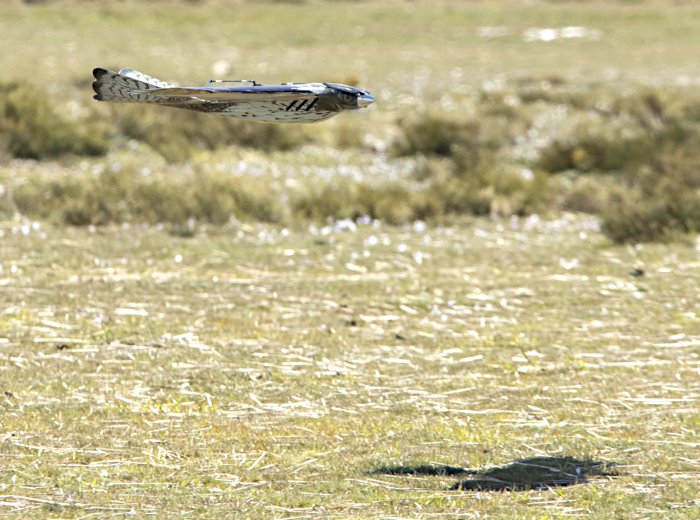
{"x": 285, "y": 103}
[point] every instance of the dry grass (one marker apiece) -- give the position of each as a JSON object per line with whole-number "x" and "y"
{"x": 259, "y": 373}
{"x": 512, "y": 368}
{"x": 406, "y": 53}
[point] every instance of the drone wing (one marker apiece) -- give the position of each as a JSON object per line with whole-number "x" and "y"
{"x": 272, "y": 104}
{"x": 127, "y": 85}
{"x": 293, "y": 103}
{"x": 225, "y": 94}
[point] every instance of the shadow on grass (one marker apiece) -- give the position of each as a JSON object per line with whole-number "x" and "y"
{"x": 438, "y": 470}
{"x": 520, "y": 475}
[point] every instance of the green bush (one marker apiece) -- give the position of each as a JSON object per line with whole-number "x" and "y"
{"x": 128, "y": 196}
{"x": 658, "y": 202}
{"x": 500, "y": 189}
{"x": 590, "y": 142}
{"x": 632, "y": 217}
{"x": 435, "y": 134}
{"x": 333, "y": 200}
{"x": 391, "y": 202}
{"x": 346, "y": 133}
{"x": 30, "y": 127}
{"x": 178, "y": 134}
{"x": 587, "y": 193}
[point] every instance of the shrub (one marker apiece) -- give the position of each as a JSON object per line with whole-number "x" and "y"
{"x": 127, "y": 196}
{"x": 435, "y": 134}
{"x": 660, "y": 202}
{"x": 587, "y": 193}
{"x": 30, "y": 127}
{"x": 591, "y": 142}
{"x": 334, "y": 200}
{"x": 391, "y": 202}
{"x": 346, "y": 133}
{"x": 178, "y": 134}
{"x": 496, "y": 188}
{"x": 631, "y": 217}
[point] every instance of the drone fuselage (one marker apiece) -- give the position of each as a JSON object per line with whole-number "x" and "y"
{"x": 284, "y": 103}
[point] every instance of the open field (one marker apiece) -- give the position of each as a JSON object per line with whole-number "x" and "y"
{"x": 395, "y": 314}
{"x": 256, "y": 372}
{"x": 421, "y": 49}
{"x": 253, "y": 372}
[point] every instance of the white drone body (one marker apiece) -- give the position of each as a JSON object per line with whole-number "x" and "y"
{"x": 285, "y": 103}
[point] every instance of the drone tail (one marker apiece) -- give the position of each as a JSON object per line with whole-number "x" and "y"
{"x": 125, "y": 86}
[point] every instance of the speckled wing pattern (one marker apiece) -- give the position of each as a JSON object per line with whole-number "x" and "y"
{"x": 125, "y": 86}
{"x": 288, "y": 103}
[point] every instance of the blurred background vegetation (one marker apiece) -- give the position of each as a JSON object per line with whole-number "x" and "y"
{"x": 484, "y": 108}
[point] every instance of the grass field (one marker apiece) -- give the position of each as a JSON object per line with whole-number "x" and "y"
{"x": 421, "y": 49}
{"x": 195, "y": 330}
{"x": 255, "y": 372}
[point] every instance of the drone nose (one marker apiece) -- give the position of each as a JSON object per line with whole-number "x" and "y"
{"x": 364, "y": 100}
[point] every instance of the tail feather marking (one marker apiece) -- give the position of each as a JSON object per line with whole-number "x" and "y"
{"x": 127, "y": 85}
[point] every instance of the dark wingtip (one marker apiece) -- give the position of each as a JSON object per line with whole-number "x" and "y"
{"x": 96, "y": 88}
{"x": 98, "y": 73}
